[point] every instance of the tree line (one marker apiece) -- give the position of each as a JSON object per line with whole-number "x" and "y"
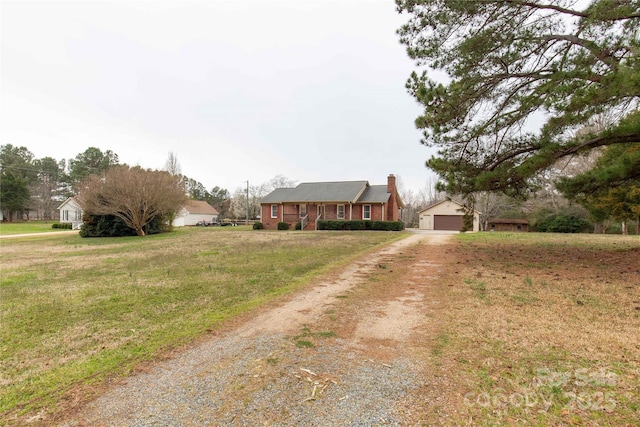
{"x": 33, "y": 188}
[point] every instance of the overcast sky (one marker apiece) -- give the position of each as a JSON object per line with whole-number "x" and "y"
{"x": 238, "y": 90}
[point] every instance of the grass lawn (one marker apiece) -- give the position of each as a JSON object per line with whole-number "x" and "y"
{"x": 525, "y": 329}
{"x": 25, "y": 227}
{"x": 540, "y": 329}
{"x": 76, "y": 312}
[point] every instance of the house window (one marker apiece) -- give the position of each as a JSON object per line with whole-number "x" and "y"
{"x": 366, "y": 211}
{"x": 340, "y": 213}
{"x": 274, "y": 211}
{"x": 78, "y": 216}
{"x": 303, "y": 210}
{"x": 65, "y": 215}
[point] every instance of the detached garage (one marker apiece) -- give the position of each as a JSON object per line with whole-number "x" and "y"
{"x": 195, "y": 211}
{"x": 445, "y": 216}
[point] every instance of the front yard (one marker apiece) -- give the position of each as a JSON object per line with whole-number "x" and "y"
{"x": 76, "y": 311}
{"x": 524, "y": 329}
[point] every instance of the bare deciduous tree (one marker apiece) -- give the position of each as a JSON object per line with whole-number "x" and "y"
{"x": 278, "y": 181}
{"x": 173, "y": 165}
{"x": 246, "y": 201}
{"x": 243, "y": 204}
{"x": 132, "y": 194}
{"x": 493, "y": 205}
{"x": 415, "y": 202}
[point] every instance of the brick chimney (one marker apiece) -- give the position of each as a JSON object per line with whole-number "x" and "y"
{"x": 391, "y": 184}
{"x": 392, "y": 206}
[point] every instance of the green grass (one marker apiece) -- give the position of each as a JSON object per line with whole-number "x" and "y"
{"x": 78, "y": 311}
{"x": 26, "y": 227}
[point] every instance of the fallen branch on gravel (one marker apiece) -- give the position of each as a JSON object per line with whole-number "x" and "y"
{"x": 308, "y": 372}
{"x": 318, "y": 386}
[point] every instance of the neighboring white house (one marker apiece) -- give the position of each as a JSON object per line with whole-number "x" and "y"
{"x": 446, "y": 215}
{"x": 71, "y": 212}
{"x": 195, "y": 211}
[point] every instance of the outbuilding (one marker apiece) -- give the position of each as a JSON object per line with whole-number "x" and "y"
{"x": 446, "y": 215}
{"x": 195, "y": 211}
{"x": 508, "y": 224}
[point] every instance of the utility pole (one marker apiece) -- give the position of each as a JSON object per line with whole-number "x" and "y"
{"x": 247, "y": 202}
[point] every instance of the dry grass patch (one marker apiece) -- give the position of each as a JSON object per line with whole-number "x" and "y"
{"x": 540, "y": 329}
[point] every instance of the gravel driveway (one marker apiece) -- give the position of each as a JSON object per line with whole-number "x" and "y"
{"x": 330, "y": 355}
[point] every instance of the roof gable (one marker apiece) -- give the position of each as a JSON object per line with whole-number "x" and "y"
{"x": 375, "y": 194}
{"x": 199, "y": 207}
{"x": 71, "y": 202}
{"x": 433, "y": 205}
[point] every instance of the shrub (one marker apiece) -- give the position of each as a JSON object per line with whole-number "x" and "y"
{"x": 258, "y": 226}
{"x": 112, "y": 226}
{"x": 298, "y": 226}
{"x": 360, "y": 225}
{"x": 387, "y": 225}
{"x": 561, "y": 223}
{"x": 283, "y": 226}
{"x": 64, "y": 225}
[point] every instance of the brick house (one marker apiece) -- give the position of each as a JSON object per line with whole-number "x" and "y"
{"x": 310, "y": 202}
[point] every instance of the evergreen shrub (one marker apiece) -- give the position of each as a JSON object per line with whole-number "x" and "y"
{"x": 360, "y": 225}
{"x": 561, "y": 223}
{"x": 62, "y": 225}
{"x": 112, "y": 226}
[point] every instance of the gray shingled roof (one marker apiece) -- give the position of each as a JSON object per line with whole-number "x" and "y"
{"x": 339, "y": 192}
{"x": 375, "y": 194}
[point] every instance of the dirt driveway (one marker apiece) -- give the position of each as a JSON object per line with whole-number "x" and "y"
{"x": 347, "y": 350}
